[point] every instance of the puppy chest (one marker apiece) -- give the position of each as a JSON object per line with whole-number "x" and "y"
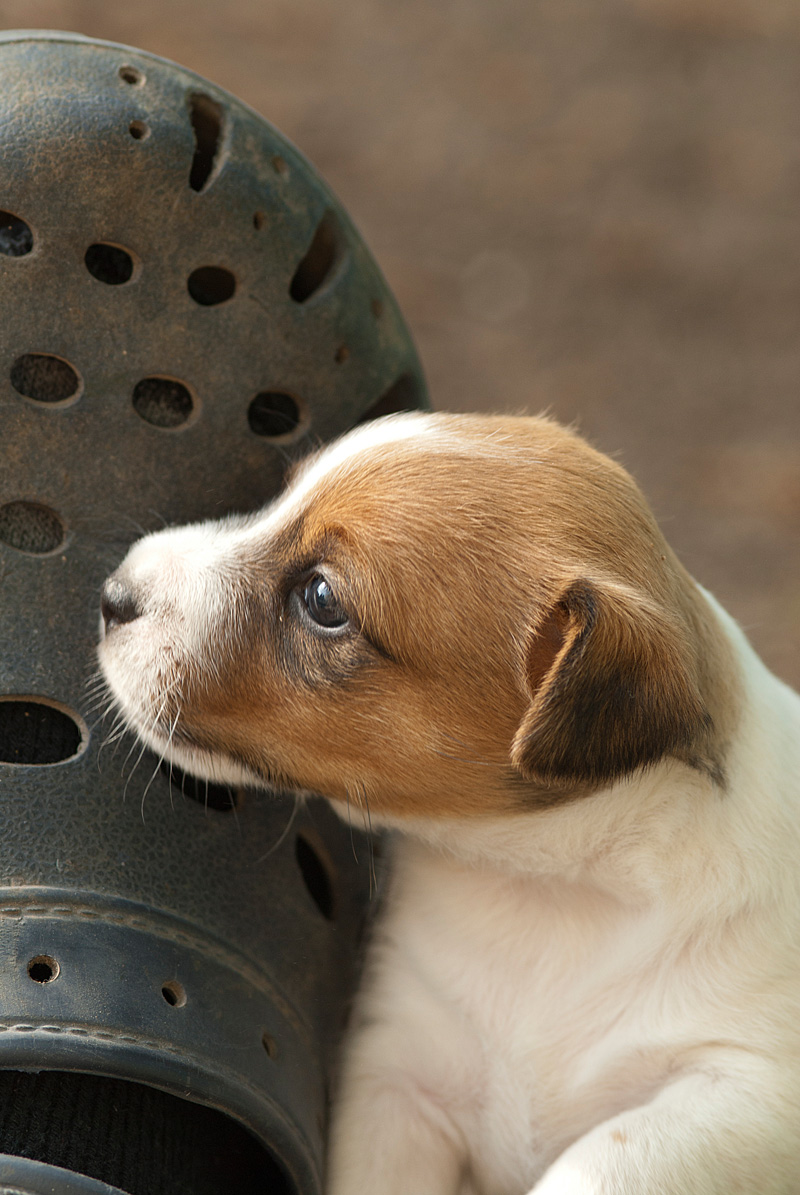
{"x": 521, "y": 1023}
{"x": 554, "y": 1061}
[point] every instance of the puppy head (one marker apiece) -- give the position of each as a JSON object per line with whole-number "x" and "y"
{"x": 445, "y": 615}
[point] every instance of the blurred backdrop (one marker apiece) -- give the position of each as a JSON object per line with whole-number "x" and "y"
{"x": 586, "y": 206}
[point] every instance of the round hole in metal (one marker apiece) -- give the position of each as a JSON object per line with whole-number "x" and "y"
{"x": 45, "y": 378}
{"x": 35, "y": 732}
{"x": 218, "y": 797}
{"x": 211, "y": 285}
{"x": 31, "y": 528}
{"x": 164, "y": 402}
{"x": 16, "y": 238}
{"x": 273, "y": 413}
{"x": 315, "y": 877}
{"x": 109, "y": 263}
{"x": 43, "y": 969}
{"x": 132, "y": 76}
{"x": 174, "y": 994}
{"x": 139, "y": 130}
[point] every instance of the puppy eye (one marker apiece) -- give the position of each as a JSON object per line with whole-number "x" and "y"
{"x": 322, "y": 603}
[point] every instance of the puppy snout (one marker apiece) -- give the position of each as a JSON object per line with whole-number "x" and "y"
{"x": 118, "y": 603}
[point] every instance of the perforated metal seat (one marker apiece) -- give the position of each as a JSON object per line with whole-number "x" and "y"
{"x": 184, "y": 308}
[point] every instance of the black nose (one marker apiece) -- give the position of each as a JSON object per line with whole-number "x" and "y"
{"x": 118, "y": 603}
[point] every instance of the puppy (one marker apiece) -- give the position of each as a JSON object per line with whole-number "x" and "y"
{"x": 586, "y": 976}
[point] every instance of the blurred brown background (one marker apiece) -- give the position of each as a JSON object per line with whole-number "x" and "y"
{"x": 586, "y": 205}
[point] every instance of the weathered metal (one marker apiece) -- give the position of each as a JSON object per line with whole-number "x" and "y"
{"x": 184, "y": 307}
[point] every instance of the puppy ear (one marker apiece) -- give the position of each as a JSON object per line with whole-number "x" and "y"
{"x": 611, "y": 689}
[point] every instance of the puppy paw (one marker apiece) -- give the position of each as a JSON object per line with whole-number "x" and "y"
{"x": 565, "y": 1179}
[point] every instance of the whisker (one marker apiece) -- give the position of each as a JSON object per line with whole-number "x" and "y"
{"x": 235, "y": 813}
{"x": 156, "y": 515}
{"x": 120, "y": 738}
{"x": 350, "y": 824}
{"x": 173, "y": 728}
{"x": 133, "y": 769}
{"x": 94, "y": 679}
{"x": 147, "y": 790}
{"x": 115, "y": 735}
{"x": 285, "y": 832}
{"x": 99, "y": 708}
{"x": 169, "y": 788}
{"x": 373, "y": 879}
{"x": 366, "y": 818}
{"x": 162, "y": 757}
{"x": 118, "y": 728}
{"x": 97, "y": 693}
{"x": 153, "y": 723}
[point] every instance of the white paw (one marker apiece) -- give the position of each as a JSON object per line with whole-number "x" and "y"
{"x": 565, "y": 1178}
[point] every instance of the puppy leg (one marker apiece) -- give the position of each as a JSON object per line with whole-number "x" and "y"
{"x": 708, "y": 1133}
{"x": 411, "y": 1069}
{"x": 387, "y": 1140}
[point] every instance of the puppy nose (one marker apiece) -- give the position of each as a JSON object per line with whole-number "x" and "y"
{"x": 118, "y": 603}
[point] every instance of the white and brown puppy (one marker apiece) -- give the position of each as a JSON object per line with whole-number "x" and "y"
{"x": 586, "y": 977}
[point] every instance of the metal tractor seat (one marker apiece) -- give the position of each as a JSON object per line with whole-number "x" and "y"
{"x": 185, "y": 308}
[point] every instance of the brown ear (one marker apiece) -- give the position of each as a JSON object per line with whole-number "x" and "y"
{"x": 611, "y": 689}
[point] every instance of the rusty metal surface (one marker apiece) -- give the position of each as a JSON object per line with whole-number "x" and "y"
{"x": 184, "y": 307}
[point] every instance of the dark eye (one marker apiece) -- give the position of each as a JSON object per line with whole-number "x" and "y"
{"x": 322, "y": 603}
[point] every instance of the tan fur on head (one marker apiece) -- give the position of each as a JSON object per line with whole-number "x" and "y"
{"x": 519, "y": 631}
